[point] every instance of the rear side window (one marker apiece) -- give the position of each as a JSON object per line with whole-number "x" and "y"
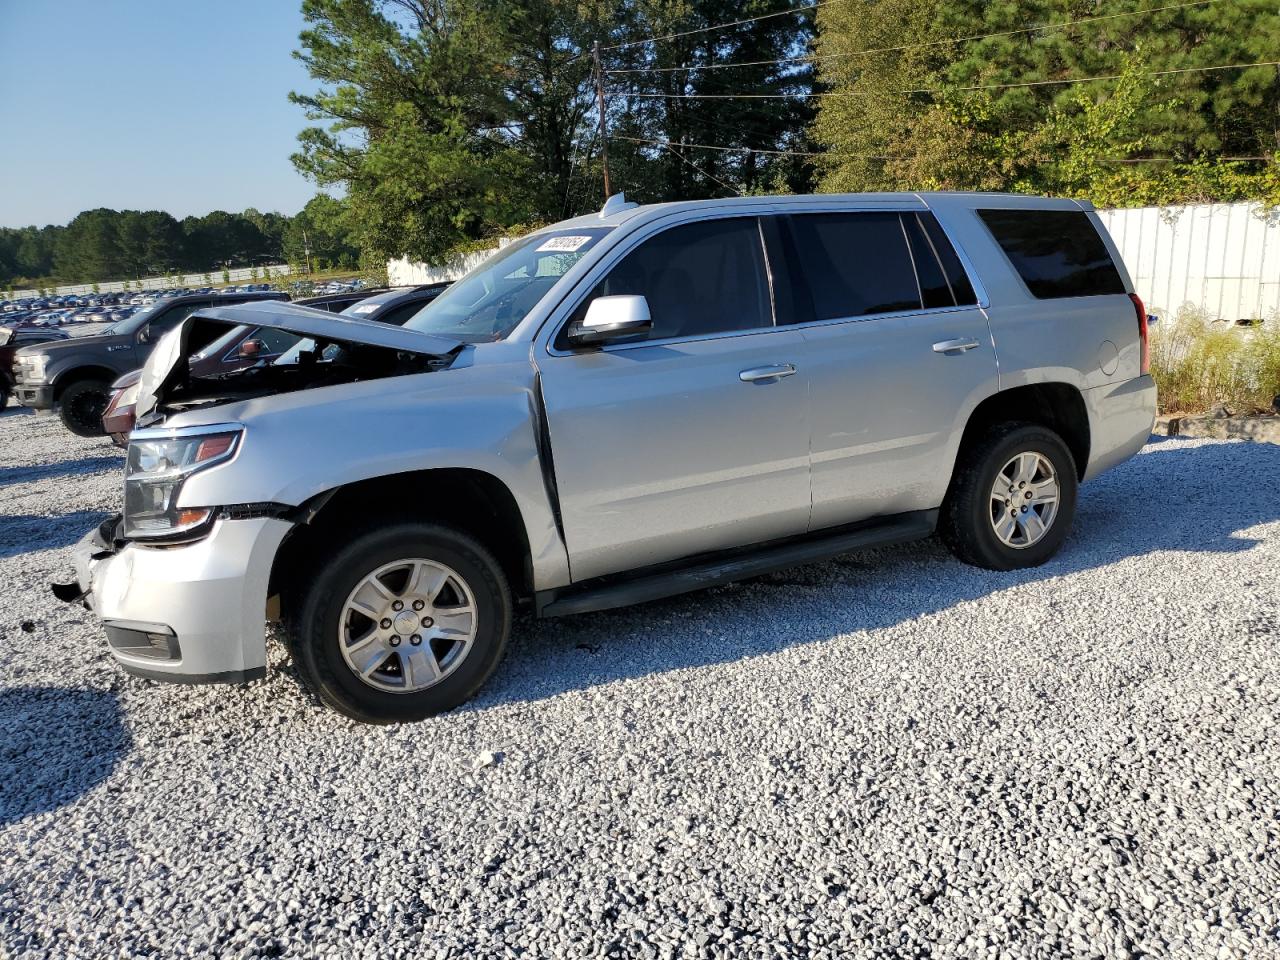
{"x": 940, "y": 247}
{"x": 699, "y": 279}
{"x": 855, "y": 264}
{"x": 1058, "y": 253}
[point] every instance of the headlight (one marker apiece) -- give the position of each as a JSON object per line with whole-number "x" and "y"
{"x": 128, "y": 396}
{"x": 156, "y": 469}
{"x": 33, "y": 367}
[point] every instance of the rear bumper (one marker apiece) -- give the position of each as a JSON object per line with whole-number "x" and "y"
{"x": 190, "y": 613}
{"x": 1121, "y": 417}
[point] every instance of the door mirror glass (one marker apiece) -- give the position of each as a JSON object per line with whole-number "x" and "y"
{"x": 145, "y": 335}
{"x": 251, "y": 347}
{"x": 612, "y": 318}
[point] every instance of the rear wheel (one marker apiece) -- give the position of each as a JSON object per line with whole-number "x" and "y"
{"x": 402, "y": 623}
{"x": 1012, "y": 498}
{"x": 82, "y": 405}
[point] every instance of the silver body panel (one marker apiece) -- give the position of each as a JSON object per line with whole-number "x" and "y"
{"x": 662, "y": 449}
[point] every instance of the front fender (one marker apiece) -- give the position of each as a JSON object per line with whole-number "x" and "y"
{"x": 301, "y": 444}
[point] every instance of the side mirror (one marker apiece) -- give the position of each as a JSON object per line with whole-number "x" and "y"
{"x": 144, "y": 335}
{"x": 612, "y": 318}
{"x": 251, "y": 347}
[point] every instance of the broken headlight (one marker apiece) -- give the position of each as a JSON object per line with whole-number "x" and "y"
{"x": 159, "y": 462}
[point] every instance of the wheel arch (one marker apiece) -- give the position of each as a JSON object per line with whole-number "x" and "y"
{"x": 72, "y": 375}
{"x": 1058, "y": 406}
{"x": 467, "y": 499}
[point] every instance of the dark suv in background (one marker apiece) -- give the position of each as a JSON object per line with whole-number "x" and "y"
{"x": 11, "y": 339}
{"x": 74, "y": 376}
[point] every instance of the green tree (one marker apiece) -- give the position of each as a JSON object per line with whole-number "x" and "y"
{"x": 1024, "y": 131}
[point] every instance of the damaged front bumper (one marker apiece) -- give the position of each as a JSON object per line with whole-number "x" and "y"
{"x": 187, "y": 613}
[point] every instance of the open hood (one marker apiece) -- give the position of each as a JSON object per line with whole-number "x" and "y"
{"x": 166, "y": 366}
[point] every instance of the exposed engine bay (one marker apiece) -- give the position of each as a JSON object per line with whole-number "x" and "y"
{"x": 335, "y": 350}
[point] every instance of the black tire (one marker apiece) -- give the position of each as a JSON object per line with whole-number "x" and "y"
{"x": 4, "y": 395}
{"x": 966, "y": 524}
{"x": 82, "y": 405}
{"x": 314, "y": 633}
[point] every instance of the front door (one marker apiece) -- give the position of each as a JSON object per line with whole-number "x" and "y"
{"x": 694, "y": 438}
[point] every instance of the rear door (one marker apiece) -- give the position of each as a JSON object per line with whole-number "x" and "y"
{"x": 898, "y": 352}
{"x": 693, "y": 438}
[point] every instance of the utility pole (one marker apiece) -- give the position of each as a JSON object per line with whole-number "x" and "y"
{"x": 604, "y": 136}
{"x": 306, "y": 247}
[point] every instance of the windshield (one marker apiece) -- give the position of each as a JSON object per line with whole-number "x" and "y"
{"x": 135, "y": 322}
{"x": 490, "y": 301}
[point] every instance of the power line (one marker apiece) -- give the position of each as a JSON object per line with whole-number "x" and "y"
{"x": 810, "y": 58}
{"x": 693, "y": 166}
{"x": 983, "y": 86}
{"x": 869, "y": 156}
{"x": 721, "y": 26}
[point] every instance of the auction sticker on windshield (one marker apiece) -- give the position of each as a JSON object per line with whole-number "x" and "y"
{"x": 563, "y": 244}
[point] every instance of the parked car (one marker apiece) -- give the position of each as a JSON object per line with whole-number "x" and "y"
{"x": 11, "y": 338}
{"x": 245, "y": 346}
{"x": 74, "y": 377}
{"x": 620, "y": 407}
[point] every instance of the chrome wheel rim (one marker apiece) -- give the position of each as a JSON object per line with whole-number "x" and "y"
{"x": 1024, "y": 500}
{"x": 407, "y": 625}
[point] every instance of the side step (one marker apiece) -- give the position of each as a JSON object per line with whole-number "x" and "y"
{"x": 713, "y": 571}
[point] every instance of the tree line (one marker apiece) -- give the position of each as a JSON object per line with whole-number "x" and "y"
{"x": 449, "y": 124}
{"x": 103, "y": 244}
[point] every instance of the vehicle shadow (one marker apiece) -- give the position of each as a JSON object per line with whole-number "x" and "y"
{"x": 63, "y": 468}
{"x": 27, "y": 533}
{"x": 58, "y": 744}
{"x": 1173, "y": 497}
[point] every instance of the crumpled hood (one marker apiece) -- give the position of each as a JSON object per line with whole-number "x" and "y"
{"x": 165, "y": 365}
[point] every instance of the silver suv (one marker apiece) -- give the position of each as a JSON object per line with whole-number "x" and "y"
{"x": 621, "y": 407}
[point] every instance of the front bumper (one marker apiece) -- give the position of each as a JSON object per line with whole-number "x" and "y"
{"x": 187, "y": 613}
{"x": 39, "y": 396}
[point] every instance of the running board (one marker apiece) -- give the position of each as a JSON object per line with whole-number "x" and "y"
{"x": 713, "y": 571}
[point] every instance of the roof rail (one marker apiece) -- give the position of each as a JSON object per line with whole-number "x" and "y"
{"x": 616, "y": 204}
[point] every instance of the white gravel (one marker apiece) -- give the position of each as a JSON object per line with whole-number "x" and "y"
{"x": 890, "y": 755}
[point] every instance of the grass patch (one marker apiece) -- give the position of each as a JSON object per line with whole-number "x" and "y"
{"x": 1198, "y": 365}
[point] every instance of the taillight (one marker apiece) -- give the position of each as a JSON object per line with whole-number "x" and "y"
{"x": 1143, "y": 336}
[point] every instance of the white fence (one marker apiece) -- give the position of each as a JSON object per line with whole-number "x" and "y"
{"x": 406, "y": 273}
{"x": 266, "y": 273}
{"x": 1221, "y": 257}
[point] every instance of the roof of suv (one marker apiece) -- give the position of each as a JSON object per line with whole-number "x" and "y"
{"x": 228, "y": 297}
{"x": 617, "y": 211}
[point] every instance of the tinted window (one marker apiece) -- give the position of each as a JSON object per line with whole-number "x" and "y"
{"x": 171, "y": 318}
{"x": 396, "y": 316}
{"x": 275, "y": 341}
{"x": 935, "y": 288}
{"x": 941, "y": 247}
{"x": 1058, "y": 253}
{"x": 855, "y": 263}
{"x": 699, "y": 279}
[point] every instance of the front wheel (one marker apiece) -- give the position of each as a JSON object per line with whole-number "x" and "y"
{"x": 82, "y": 405}
{"x": 402, "y": 623}
{"x": 1012, "y": 498}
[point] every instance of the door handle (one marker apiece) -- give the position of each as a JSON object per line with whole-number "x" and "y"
{"x": 770, "y": 374}
{"x": 959, "y": 345}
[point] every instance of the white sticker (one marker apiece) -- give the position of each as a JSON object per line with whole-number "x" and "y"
{"x": 563, "y": 244}
{"x": 365, "y": 308}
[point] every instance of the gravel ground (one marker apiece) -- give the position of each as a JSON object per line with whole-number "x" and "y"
{"x": 888, "y": 755}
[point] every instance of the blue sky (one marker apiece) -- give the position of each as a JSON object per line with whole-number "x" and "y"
{"x": 142, "y": 104}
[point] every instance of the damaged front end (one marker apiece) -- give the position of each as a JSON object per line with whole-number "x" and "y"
{"x": 338, "y": 350}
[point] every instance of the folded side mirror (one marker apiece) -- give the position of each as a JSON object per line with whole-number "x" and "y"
{"x": 612, "y": 318}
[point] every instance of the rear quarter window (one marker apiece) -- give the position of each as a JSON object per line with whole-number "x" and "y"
{"x": 1057, "y": 253}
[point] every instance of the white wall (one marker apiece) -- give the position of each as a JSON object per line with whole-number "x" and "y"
{"x": 240, "y": 274}
{"x": 1221, "y": 257}
{"x": 405, "y": 273}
